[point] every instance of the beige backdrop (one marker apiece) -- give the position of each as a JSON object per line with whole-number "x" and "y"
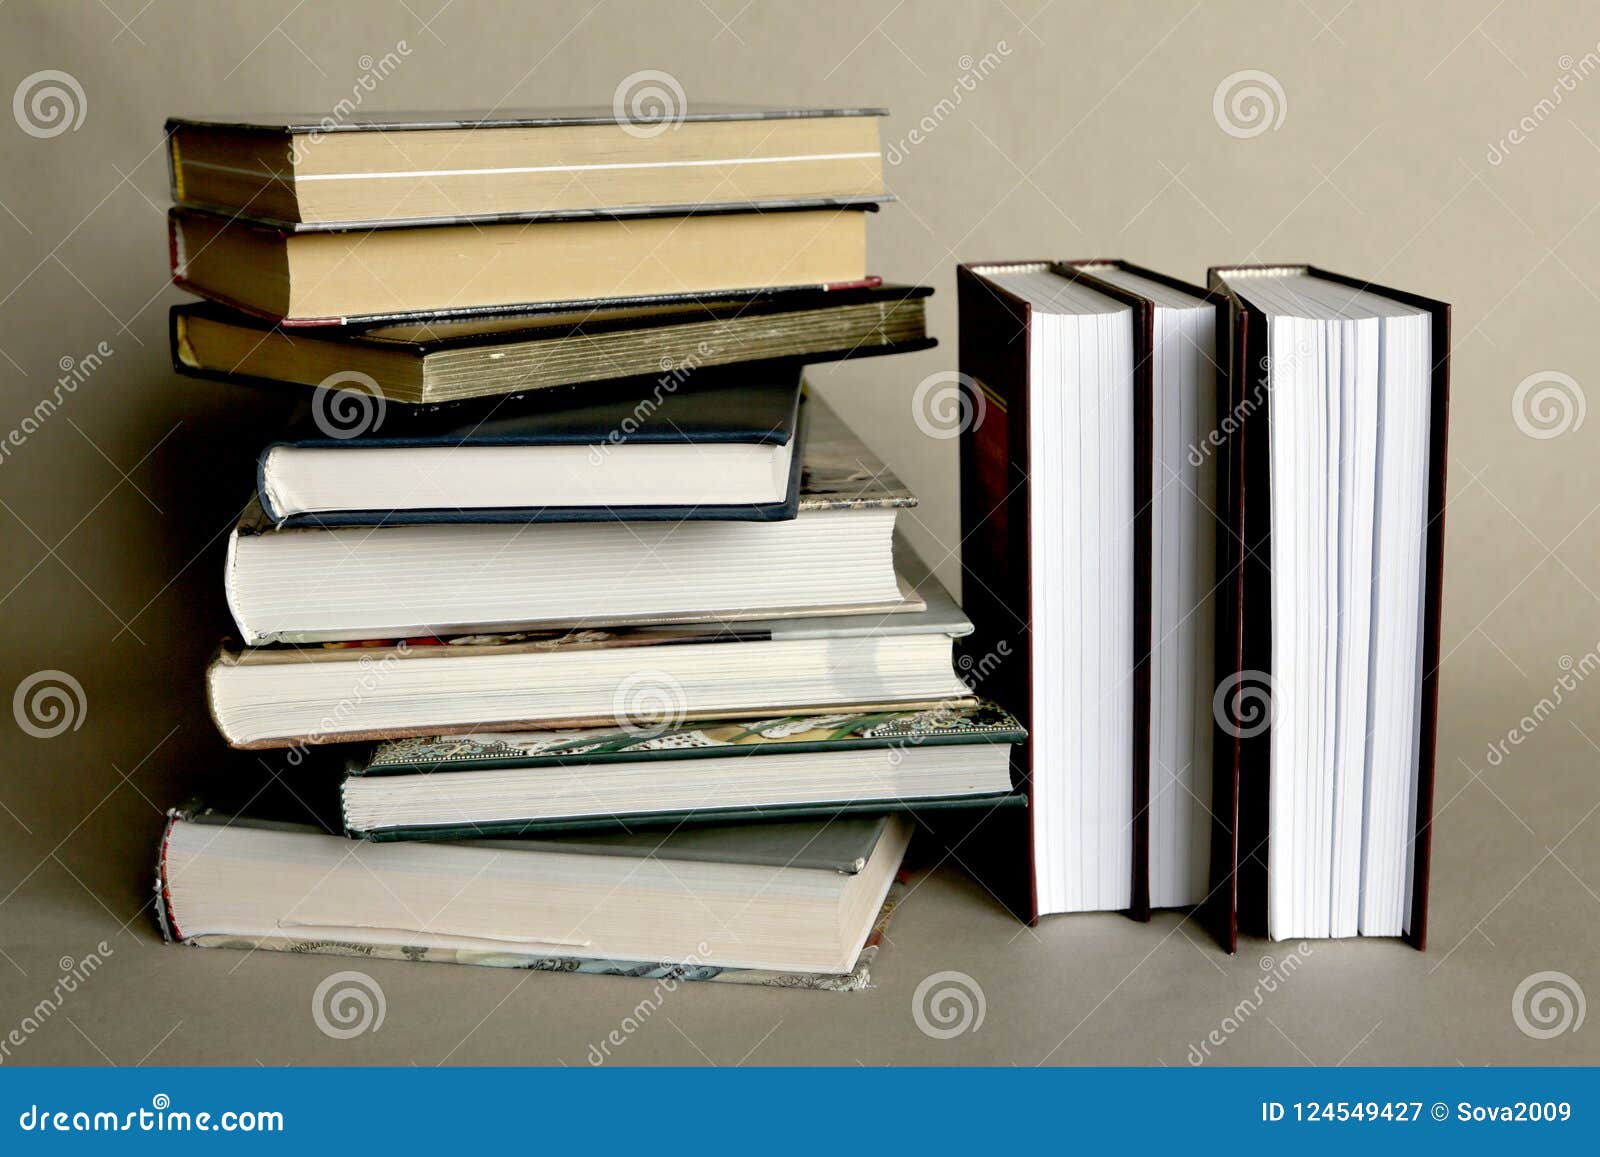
{"x": 1449, "y": 148}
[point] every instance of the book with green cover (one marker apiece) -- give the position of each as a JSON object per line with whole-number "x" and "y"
{"x": 783, "y": 766}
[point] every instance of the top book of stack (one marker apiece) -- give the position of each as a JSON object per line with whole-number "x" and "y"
{"x": 373, "y": 219}
{"x": 382, "y": 169}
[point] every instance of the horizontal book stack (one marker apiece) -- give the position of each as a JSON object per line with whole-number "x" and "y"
{"x": 630, "y": 667}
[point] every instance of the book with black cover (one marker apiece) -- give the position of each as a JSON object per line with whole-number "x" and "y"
{"x": 786, "y": 766}
{"x": 725, "y": 448}
{"x": 445, "y": 360}
{"x": 997, "y": 554}
{"x": 651, "y": 151}
{"x": 1160, "y": 393}
{"x": 1242, "y": 799}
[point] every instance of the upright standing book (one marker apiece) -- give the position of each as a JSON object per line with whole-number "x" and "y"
{"x": 1055, "y": 505}
{"x": 1333, "y": 487}
{"x": 1089, "y": 555}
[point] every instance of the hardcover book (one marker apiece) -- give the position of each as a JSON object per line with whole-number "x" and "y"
{"x": 589, "y": 677}
{"x": 704, "y": 898}
{"x": 1088, "y": 551}
{"x": 726, "y": 448}
{"x": 1333, "y": 483}
{"x": 321, "y": 278}
{"x": 325, "y": 583}
{"x": 372, "y": 170}
{"x": 467, "y": 786}
{"x": 446, "y": 360}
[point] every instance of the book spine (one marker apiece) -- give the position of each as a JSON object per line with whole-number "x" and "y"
{"x": 1422, "y": 845}
{"x": 163, "y": 899}
{"x": 996, "y": 573}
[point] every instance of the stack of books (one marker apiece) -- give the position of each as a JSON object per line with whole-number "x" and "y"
{"x": 633, "y": 672}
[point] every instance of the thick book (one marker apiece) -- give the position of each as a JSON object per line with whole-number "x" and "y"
{"x": 409, "y": 574}
{"x": 651, "y": 151}
{"x": 1088, "y": 561}
{"x": 644, "y": 677}
{"x": 448, "y": 360}
{"x": 511, "y": 783}
{"x": 1333, "y": 483}
{"x": 778, "y": 899}
{"x": 298, "y": 277}
{"x": 724, "y": 449}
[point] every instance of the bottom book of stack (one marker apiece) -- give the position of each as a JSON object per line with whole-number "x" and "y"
{"x": 572, "y": 851}
{"x": 790, "y": 904}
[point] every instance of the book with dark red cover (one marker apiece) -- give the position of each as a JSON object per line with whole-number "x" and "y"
{"x": 995, "y": 517}
{"x": 1244, "y": 634}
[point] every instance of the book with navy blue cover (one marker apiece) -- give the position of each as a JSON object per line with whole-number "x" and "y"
{"x": 730, "y": 450}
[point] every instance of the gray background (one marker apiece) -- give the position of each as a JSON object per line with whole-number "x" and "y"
{"x": 1092, "y": 134}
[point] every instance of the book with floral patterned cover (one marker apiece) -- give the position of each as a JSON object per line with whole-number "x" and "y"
{"x": 983, "y": 722}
